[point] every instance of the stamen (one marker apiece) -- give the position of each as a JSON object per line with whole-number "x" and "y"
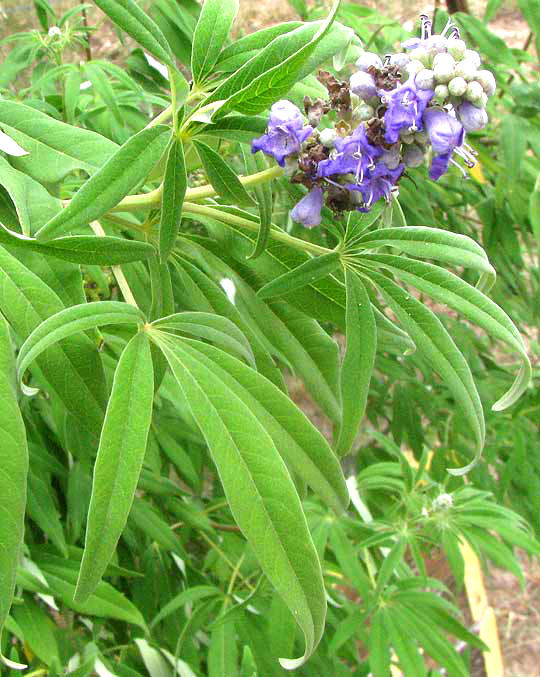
{"x": 387, "y": 58}
{"x": 456, "y": 164}
{"x": 450, "y": 25}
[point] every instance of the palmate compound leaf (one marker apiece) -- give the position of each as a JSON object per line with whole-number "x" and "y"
{"x": 440, "y": 351}
{"x": 119, "y": 460}
{"x": 255, "y": 479}
{"x": 14, "y": 468}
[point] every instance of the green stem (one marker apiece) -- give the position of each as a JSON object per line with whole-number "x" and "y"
{"x": 165, "y": 115}
{"x": 233, "y": 220}
{"x": 153, "y": 198}
{"x": 173, "y": 100}
{"x": 202, "y": 192}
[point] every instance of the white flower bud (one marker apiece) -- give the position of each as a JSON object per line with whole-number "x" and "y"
{"x": 466, "y": 69}
{"x": 413, "y": 156}
{"x": 473, "y": 56}
{"x": 457, "y": 86}
{"x": 456, "y": 48}
{"x": 368, "y": 59}
{"x": 442, "y": 502}
{"x": 419, "y": 54}
{"x": 487, "y": 80}
{"x": 474, "y": 92}
{"x": 441, "y": 94}
{"x": 414, "y": 67}
{"x": 443, "y": 59}
{"x": 425, "y": 79}
{"x": 400, "y": 60}
{"x": 328, "y": 137}
{"x": 436, "y": 44}
{"x": 363, "y": 84}
{"x": 364, "y": 112}
{"x": 54, "y": 31}
{"x": 483, "y": 100}
{"x": 443, "y": 72}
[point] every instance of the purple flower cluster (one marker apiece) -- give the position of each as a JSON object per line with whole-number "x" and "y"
{"x": 390, "y": 116}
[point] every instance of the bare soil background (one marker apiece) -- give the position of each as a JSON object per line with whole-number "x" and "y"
{"x": 517, "y": 610}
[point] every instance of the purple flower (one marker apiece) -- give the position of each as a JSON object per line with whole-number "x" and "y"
{"x": 355, "y": 156}
{"x": 439, "y": 165}
{"x": 471, "y": 117}
{"x": 446, "y": 134}
{"x": 444, "y": 131}
{"x": 378, "y": 183}
{"x": 405, "y": 106}
{"x": 308, "y": 210}
{"x": 286, "y": 132}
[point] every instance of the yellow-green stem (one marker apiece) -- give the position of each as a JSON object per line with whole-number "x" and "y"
{"x": 233, "y": 220}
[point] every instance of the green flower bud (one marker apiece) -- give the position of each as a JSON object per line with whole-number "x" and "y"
{"x": 457, "y": 86}
{"x": 363, "y": 112}
{"x": 414, "y": 67}
{"x": 456, "y": 48}
{"x": 441, "y": 94}
{"x": 419, "y": 54}
{"x": 487, "y": 80}
{"x": 473, "y": 56}
{"x": 443, "y": 73}
{"x": 474, "y": 92}
{"x": 466, "y": 69}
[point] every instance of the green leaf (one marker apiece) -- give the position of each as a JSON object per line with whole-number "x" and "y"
{"x": 441, "y": 352}
{"x": 119, "y": 461}
{"x": 223, "y": 652}
{"x": 14, "y": 465}
{"x": 193, "y": 594}
{"x": 270, "y": 85}
{"x": 128, "y": 16}
{"x": 73, "y": 368}
{"x": 448, "y": 288}
{"x": 253, "y": 477}
{"x": 222, "y": 177}
{"x": 37, "y": 629}
{"x": 105, "y": 601}
{"x": 211, "y": 32}
{"x": 215, "y": 328}
{"x": 42, "y": 508}
{"x": 130, "y": 165}
{"x": 299, "y": 443}
{"x": 433, "y": 243}
{"x": 174, "y": 189}
{"x": 379, "y": 650}
{"x": 410, "y": 660}
{"x": 514, "y": 145}
{"x": 312, "y": 270}
{"x": 87, "y": 249}
{"x": 71, "y": 321}
{"x": 32, "y": 202}
{"x": 54, "y": 148}
{"x": 358, "y": 362}
{"x": 263, "y": 192}
{"x": 246, "y": 47}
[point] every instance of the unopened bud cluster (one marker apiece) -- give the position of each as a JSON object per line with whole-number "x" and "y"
{"x": 391, "y": 114}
